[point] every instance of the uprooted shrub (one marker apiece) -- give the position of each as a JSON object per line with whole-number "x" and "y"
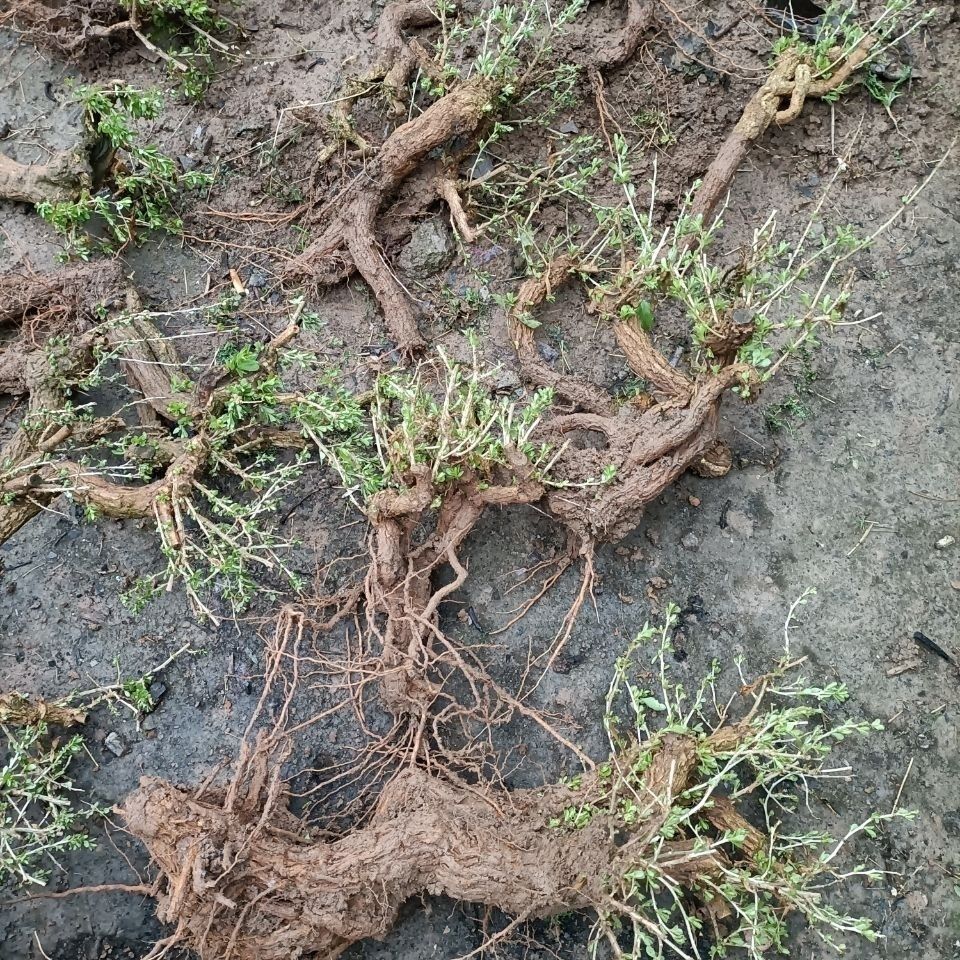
{"x": 745, "y": 315}
{"x": 191, "y": 423}
{"x": 655, "y": 841}
{"x": 415, "y": 465}
{"x": 498, "y": 61}
{"x": 746, "y": 319}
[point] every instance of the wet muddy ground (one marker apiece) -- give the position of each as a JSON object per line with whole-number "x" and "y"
{"x": 846, "y": 477}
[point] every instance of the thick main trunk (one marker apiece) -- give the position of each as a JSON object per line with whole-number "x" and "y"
{"x": 238, "y": 886}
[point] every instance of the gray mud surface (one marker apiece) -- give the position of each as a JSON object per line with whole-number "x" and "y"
{"x": 850, "y": 497}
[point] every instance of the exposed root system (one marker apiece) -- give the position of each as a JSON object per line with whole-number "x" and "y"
{"x": 37, "y": 462}
{"x": 241, "y": 877}
{"x": 642, "y": 447}
{"x": 66, "y": 28}
{"x": 39, "y": 304}
{"x": 243, "y": 881}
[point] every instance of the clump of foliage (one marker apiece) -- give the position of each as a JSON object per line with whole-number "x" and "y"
{"x": 39, "y": 813}
{"x": 188, "y": 30}
{"x": 840, "y": 30}
{"x": 178, "y": 15}
{"x": 509, "y": 40}
{"x": 745, "y": 881}
{"x": 456, "y": 426}
{"x": 138, "y": 184}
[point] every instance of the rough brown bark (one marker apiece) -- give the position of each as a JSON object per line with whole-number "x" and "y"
{"x": 349, "y": 242}
{"x": 60, "y": 178}
{"x": 244, "y": 882}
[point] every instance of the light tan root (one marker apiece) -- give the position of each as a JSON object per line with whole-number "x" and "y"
{"x": 60, "y": 178}
{"x": 790, "y": 82}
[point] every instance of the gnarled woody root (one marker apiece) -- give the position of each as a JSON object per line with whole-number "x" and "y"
{"x": 401, "y": 604}
{"x": 66, "y": 296}
{"x": 348, "y": 243}
{"x": 402, "y": 607}
{"x": 241, "y": 878}
{"x": 779, "y": 101}
{"x": 397, "y": 58}
{"x": 653, "y": 841}
{"x": 651, "y": 445}
{"x": 241, "y": 881}
{"x": 34, "y": 473}
{"x": 60, "y": 178}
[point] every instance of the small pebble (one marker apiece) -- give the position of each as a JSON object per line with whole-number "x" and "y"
{"x": 114, "y": 744}
{"x": 691, "y": 542}
{"x": 694, "y": 501}
{"x": 944, "y": 542}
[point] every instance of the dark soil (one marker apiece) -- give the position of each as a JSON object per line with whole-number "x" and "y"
{"x": 850, "y": 497}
